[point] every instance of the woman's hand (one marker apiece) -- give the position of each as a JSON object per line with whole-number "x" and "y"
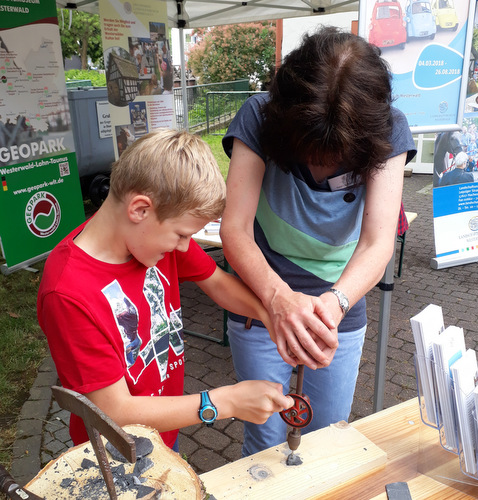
{"x": 304, "y": 328}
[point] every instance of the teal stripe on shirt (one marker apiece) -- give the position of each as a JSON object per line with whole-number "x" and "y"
{"x": 324, "y": 261}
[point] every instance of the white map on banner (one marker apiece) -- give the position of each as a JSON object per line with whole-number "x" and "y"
{"x": 23, "y": 72}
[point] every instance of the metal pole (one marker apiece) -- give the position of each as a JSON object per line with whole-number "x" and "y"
{"x": 183, "y": 81}
{"x": 386, "y": 287}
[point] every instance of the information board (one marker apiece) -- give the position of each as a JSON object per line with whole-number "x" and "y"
{"x": 40, "y": 198}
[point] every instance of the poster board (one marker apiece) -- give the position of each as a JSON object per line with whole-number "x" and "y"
{"x": 455, "y": 184}
{"x": 139, "y": 71}
{"x": 40, "y": 196}
{"x": 426, "y": 43}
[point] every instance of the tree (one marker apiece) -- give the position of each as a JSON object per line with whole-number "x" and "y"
{"x": 227, "y": 53}
{"x": 82, "y": 37}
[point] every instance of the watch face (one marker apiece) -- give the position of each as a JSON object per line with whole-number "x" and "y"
{"x": 208, "y": 414}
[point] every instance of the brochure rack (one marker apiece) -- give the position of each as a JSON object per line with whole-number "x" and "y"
{"x": 445, "y": 462}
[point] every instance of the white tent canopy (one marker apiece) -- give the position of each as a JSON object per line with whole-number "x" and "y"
{"x": 203, "y": 13}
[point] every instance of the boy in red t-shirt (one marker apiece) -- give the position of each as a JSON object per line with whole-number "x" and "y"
{"x": 109, "y": 298}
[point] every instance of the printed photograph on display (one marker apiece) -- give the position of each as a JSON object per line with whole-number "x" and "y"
{"x": 139, "y": 119}
{"x": 121, "y": 75}
{"x": 412, "y": 24}
{"x": 152, "y": 57}
{"x": 124, "y": 137}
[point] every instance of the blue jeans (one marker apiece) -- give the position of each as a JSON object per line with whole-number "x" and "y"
{"x": 330, "y": 389}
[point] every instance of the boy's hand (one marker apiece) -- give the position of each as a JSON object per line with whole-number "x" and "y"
{"x": 252, "y": 400}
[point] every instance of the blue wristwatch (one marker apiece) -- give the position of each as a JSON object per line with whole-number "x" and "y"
{"x": 207, "y": 411}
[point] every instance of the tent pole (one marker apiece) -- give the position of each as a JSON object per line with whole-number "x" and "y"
{"x": 184, "y": 93}
{"x": 279, "y": 36}
{"x": 386, "y": 287}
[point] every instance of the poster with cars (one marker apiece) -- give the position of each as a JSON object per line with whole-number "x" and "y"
{"x": 455, "y": 181}
{"x": 425, "y": 43}
{"x": 40, "y": 196}
{"x": 139, "y": 71}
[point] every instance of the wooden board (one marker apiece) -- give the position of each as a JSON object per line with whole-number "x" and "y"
{"x": 424, "y": 488}
{"x": 67, "y": 477}
{"x": 414, "y": 455}
{"x": 330, "y": 456}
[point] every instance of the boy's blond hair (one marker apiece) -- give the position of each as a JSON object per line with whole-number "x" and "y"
{"x": 176, "y": 169}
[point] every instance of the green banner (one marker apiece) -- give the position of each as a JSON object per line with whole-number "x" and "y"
{"x": 14, "y": 13}
{"x": 40, "y": 195}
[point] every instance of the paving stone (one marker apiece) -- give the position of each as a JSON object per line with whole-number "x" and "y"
{"x": 25, "y": 468}
{"x": 39, "y": 393}
{"x": 190, "y": 430}
{"x": 30, "y": 446}
{"x": 63, "y": 435}
{"x": 219, "y": 351}
{"x": 29, "y": 427}
{"x": 187, "y": 446}
{"x": 212, "y": 439}
{"x": 194, "y": 386}
{"x": 221, "y": 365}
{"x": 53, "y": 425}
{"x": 233, "y": 452}
{"x": 54, "y": 447}
{"x": 235, "y": 430}
{"x": 195, "y": 370}
{"x": 216, "y": 379}
{"x": 204, "y": 460}
{"x": 35, "y": 408}
{"x": 196, "y": 355}
{"x": 220, "y": 425}
{"x": 61, "y": 416}
{"x": 45, "y": 458}
{"x": 46, "y": 379}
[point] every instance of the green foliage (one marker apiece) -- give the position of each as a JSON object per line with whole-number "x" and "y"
{"x": 97, "y": 79}
{"x": 231, "y": 52}
{"x": 82, "y": 37}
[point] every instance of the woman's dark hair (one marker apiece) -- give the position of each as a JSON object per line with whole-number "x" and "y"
{"x": 330, "y": 104}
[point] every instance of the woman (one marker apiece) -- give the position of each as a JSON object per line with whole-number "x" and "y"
{"x": 313, "y": 198}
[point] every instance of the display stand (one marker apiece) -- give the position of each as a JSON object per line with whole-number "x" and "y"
{"x": 438, "y": 459}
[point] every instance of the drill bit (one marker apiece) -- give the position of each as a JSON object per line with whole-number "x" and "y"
{"x": 293, "y": 437}
{"x": 293, "y": 440}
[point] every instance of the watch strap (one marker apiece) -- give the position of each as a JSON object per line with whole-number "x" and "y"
{"x": 207, "y": 404}
{"x": 343, "y": 300}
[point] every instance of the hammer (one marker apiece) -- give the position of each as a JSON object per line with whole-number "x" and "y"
{"x": 97, "y": 422}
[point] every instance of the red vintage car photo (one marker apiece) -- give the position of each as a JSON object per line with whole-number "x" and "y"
{"x": 387, "y": 25}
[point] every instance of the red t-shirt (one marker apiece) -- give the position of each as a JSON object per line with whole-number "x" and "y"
{"x": 108, "y": 321}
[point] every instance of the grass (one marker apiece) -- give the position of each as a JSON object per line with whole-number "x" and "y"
{"x": 215, "y": 143}
{"x": 22, "y": 349}
{"x": 22, "y": 343}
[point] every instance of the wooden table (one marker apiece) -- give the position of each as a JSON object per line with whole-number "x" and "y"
{"x": 203, "y": 238}
{"x": 413, "y": 455}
